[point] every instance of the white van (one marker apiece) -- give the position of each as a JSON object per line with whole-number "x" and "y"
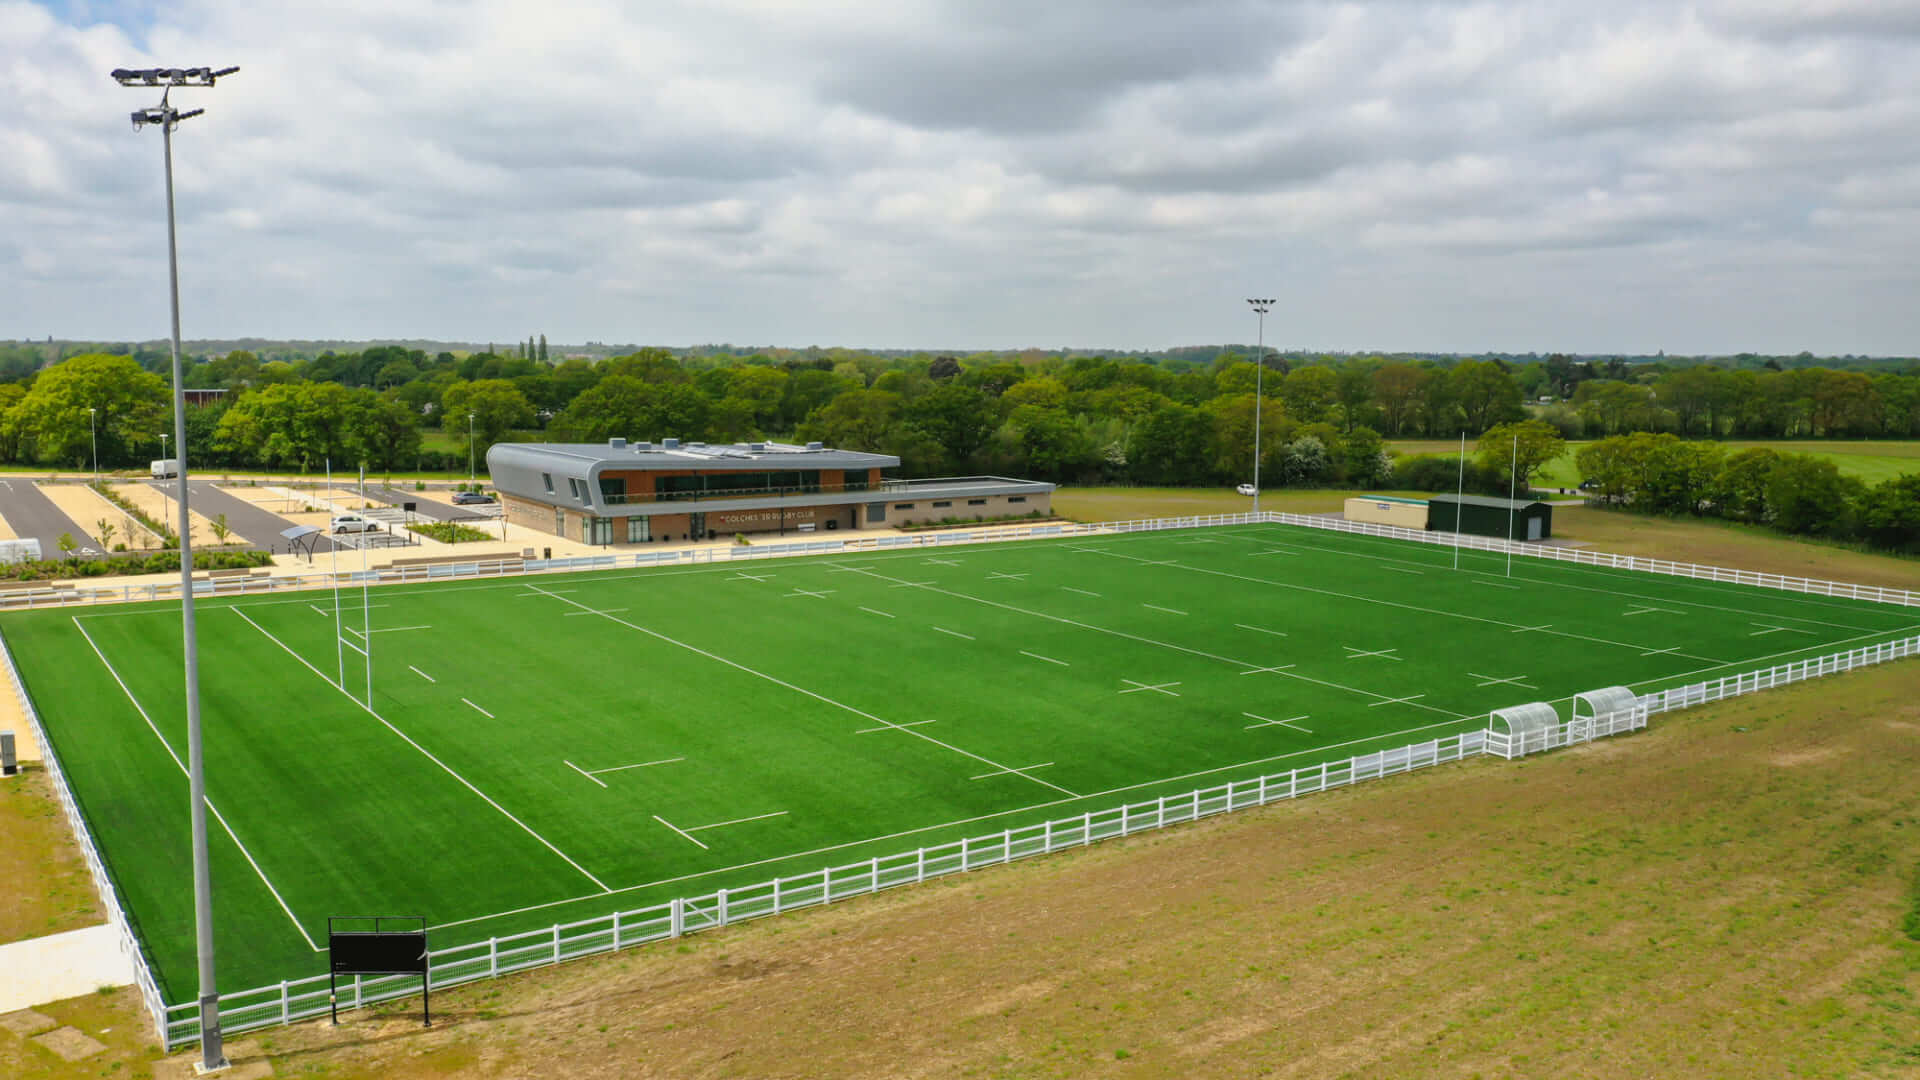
{"x": 165, "y": 468}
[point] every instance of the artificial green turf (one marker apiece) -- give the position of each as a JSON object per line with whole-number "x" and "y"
{"x": 1103, "y": 670}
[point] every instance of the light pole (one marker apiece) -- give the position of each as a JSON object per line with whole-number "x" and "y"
{"x": 212, "y": 1056}
{"x": 93, "y": 435}
{"x": 469, "y": 450}
{"x": 1260, "y": 308}
{"x": 163, "y": 446}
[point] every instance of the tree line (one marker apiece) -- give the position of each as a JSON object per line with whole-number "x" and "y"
{"x": 1175, "y": 419}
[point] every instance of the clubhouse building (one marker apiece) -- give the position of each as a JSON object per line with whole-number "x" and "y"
{"x": 622, "y": 493}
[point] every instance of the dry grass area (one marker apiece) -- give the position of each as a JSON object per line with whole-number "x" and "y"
{"x": 1719, "y": 543}
{"x": 1721, "y": 896}
{"x": 1133, "y": 504}
{"x": 37, "y": 851}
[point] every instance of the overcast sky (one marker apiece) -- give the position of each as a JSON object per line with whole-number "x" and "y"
{"x": 1711, "y": 177}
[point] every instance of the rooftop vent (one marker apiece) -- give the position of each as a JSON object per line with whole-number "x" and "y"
{"x": 617, "y": 443}
{"x": 669, "y": 444}
{"x": 642, "y": 447}
{"x": 758, "y": 448}
{"x": 815, "y": 446}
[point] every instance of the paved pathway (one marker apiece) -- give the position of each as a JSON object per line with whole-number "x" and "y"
{"x": 60, "y": 966}
{"x": 252, "y": 523}
{"x": 32, "y": 514}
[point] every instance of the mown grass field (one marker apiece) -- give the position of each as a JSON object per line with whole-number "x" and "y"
{"x": 558, "y": 748}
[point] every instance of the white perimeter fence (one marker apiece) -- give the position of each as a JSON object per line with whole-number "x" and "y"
{"x": 102, "y": 881}
{"x": 298, "y": 999}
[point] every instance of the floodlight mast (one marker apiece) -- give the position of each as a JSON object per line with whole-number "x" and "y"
{"x": 212, "y": 1055}
{"x": 1260, "y": 308}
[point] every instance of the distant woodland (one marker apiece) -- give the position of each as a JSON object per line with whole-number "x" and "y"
{"x": 1179, "y": 417}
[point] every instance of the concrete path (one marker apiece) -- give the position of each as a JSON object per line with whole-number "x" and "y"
{"x": 60, "y": 966}
{"x": 256, "y": 526}
{"x": 31, "y": 513}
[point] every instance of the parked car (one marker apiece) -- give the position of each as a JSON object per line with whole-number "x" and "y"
{"x": 1247, "y": 489}
{"x": 352, "y": 523}
{"x": 467, "y": 498}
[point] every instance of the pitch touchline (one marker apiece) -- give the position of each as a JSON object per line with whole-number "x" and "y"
{"x": 222, "y": 818}
{"x": 942, "y": 825}
{"x": 737, "y": 666}
{"x": 364, "y": 707}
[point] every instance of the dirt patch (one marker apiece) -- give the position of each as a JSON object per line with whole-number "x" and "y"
{"x": 1788, "y": 759}
{"x": 71, "y": 1044}
{"x": 44, "y": 885}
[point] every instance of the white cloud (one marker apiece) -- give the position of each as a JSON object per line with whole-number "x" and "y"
{"x": 946, "y": 174}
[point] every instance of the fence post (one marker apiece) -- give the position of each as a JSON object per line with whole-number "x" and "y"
{"x": 283, "y": 1001}
{"x": 874, "y": 874}
{"x": 493, "y": 958}
{"x": 723, "y": 907}
{"x": 920, "y": 865}
{"x": 776, "y": 895}
{"x": 676, "y": 918}
{"x": 556, "y": 943}
{"x": 616, "y": 929}
{"x": 1086, "y": 830}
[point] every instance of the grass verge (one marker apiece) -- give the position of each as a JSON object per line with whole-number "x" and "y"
{"x": 44, "y": 888}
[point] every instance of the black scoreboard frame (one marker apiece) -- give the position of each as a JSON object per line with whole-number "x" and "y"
{"x": 394, "y": 945}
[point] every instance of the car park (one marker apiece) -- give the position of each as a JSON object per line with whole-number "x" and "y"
{"x": 468, "y": 498}
{"x": 352, "y": 523}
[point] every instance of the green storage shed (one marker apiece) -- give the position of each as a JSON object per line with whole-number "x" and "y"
{"x": 1484, "y": 515}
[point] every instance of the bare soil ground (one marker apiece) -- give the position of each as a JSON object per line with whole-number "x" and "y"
{"x": 1718, "y": 543}
{"x": 1721, "y": 896}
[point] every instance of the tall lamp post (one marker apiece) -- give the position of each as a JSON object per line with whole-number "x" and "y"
{"x": 93, "y": 435}
{"x": 163, "y": 445}
{"x": 1260, "y": 308}
{"x": 469, "y": 449}
{"x": 212, "y": 1056}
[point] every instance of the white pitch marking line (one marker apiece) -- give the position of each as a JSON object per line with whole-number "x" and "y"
{"x": 1269, "y": 670}
{"x": 1048, "y": 659}
{"x": 679, "y": 830}
{"x": 1158, "y": 688}
{"x": 1185, "y": 542}
{"x": 1008, "y": 577}
{"x": 1402, "y": 570}
{"x": 422, "y": 674}
{"x": 875, "y": 611}
{"x": 735, "y": 821}
{"x": 1264, "y": 722}
{"x": 911, "y": 584}
{"x": 602, "y": 611}
{"x": 1168, "y": 610}
{"x": 218, "y": 816}
{"x": 1082, "y": 592}
{"x": 1271, "y": 551}
{"x": 818, "y": 595}
{"x": 744, "y": 576}
{"x": 318, "y": 611}
{"x": 896, "y": 727}
{"x": 641, "y": 765}
{"x": 558, "y": 592}
{"x": 1010, "y": 770}
{"x": 479, "y": 710}
{"x": 386, "y": 630}
{"x": 954, "y": 633}
{"x": 1530, "y": 629}
{"x": 1394, "y": 701}
{"x": 1261, "y": 630}
{"x": 940, "y": 562}
{"x": 1651, "y": 610}
{"x": 1495, "y": 584}
{"x": 1489, "y": 680}
{"x": 584, "y": 773}
{"x": 1772, "y": 629}
{"x": 815, "y": 695}
{"x": 1358, "y": 654}
{"x": 1661, "y": 652}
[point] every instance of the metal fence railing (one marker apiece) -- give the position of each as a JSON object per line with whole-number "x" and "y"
{"x": 83, "y": 838}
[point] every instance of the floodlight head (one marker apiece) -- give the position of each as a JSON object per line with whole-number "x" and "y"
{"x": 199, "y": 76}
{"x": 1261, "y": 306}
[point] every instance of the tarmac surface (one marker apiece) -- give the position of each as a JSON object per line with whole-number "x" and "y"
{"x": 431, "y": 509}
{"x": 256, "y": 526}
{"x": 32, "y": 514}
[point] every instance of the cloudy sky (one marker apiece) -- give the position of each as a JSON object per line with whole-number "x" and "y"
{"x": 1698, "y": 177}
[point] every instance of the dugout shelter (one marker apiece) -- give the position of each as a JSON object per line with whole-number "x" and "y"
{"x": 1486, "y": 515}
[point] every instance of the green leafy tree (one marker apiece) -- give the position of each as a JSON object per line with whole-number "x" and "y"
{"x": 1524, "y": 448}
{"x": 496, "y": 405}
{"x": 959, "y": 418}
{"x": 221, "y": 530}
{"x": 1367, "y": 462}
{"x": 1485, "y": 394}
{"x": 1808, "y": 495}
{"x": 865, "y": 420}
{"x": 130, "y": 404}
{"x": 624, "y": 406}
{"x": 1890, "y": 514}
